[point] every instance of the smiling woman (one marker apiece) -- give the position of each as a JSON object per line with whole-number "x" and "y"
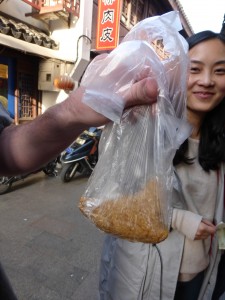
{"x": 132, "y": 270}
{"x": 202, "y": 158}
{"x": 206, "y": 85}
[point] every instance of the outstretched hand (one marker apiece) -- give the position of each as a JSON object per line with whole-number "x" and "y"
{"x": 143, "y": 92}
{"x": 26, "y": 147}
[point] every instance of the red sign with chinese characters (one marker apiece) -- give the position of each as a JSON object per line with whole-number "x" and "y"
{"x": 108, "y": 24}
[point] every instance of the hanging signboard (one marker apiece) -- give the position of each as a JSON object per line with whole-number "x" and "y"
{"x": 108, "y": 24}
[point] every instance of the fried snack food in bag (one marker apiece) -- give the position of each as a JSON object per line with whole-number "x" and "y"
{"x": 135, "y": 218}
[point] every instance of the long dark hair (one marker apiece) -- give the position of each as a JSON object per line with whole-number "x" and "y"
{"x": 212, "y": 139}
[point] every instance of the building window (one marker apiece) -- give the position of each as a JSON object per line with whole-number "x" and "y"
{"x": 160, "y": 50}
{"x": 26, "y": 103}
{"x": 132, "y": 12}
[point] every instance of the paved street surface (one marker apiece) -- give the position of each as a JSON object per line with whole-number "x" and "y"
{"x": 50, "y": 251}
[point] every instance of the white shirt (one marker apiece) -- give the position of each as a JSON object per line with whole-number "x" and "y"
{"x": 199, "y": 189}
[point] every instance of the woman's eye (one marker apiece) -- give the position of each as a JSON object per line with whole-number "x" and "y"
{"x": 194, "y": 70}
{"x": 220, "y": 71}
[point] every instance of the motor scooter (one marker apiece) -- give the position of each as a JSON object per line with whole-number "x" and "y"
{"x": 49, "y": 169}
{"x": 82, "y": 156}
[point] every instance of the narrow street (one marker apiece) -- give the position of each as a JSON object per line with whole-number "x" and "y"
{"x": 48, "y": 248}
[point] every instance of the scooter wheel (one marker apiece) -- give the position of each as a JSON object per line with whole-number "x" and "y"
{"x": 51, "y": 171}
{"x": 69, "y": 171}
{"x": 5, "y": 186}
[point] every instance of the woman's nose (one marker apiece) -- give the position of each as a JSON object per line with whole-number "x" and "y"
{"x": 206, "y": 79}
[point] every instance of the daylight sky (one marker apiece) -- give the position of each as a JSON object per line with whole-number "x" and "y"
{"x": 204, "y": 14}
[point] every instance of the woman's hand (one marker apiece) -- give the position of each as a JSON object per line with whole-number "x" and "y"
{"x": 205, "y": 229}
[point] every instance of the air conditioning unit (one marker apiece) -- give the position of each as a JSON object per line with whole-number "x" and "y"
{"x": 48, "y": 71}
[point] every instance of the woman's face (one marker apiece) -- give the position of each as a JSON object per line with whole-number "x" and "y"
{"x": 206, "y": 82}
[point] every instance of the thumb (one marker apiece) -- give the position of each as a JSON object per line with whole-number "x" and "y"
{"x": 142, "y": 92}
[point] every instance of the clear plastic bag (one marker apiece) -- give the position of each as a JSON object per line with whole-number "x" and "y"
{"x": 129, "y": 192}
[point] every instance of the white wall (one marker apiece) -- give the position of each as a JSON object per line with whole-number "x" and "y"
{"x": 50, "y": 99}
{"x": 70, "y": 37}
{"x": 68, "y": 41}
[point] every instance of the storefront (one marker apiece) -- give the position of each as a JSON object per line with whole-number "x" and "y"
{"x": 18, "y": 84}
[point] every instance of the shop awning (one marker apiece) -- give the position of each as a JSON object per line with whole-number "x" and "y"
{"x": 30, "y": 48}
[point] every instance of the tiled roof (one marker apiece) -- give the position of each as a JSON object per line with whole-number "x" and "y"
{"x": 184, "y": 14}
{"x": 21, "y": 31}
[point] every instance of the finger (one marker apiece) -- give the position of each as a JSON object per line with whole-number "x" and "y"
{"x": 142, "y": 92}
{"x": 208, "y": 227}
{"x": 145, "y": 72}
{"x": 208, "y": 223}
{"x": 154, "y": 109}
{"x": 202, "y": 237}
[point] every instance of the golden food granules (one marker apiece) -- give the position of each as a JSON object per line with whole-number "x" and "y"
{"x": 135, "y": 218}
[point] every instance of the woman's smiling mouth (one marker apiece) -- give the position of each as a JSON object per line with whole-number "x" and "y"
{"x": 203, "y": 94}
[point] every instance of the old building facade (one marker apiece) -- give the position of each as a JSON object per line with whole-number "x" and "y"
{"x": 42, "y": 39}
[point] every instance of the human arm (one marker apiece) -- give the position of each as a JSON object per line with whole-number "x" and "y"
{"x": 28, "y": 146}
{"x": 192, "y": 225}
